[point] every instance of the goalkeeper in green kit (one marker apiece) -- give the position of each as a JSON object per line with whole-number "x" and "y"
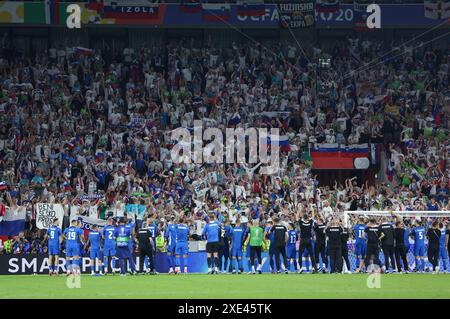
{"x": 255, "y": 237}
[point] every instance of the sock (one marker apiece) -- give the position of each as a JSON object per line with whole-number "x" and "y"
{"x": 249, "y": 264}
{"x": 57, "y": 266}
{"x": 68, "y": 263}
{"x": 171, "y": 261}
{"x": 185, "y": 262}
{"x": 74, "y": 264}
{"x": 114, "y": 264}
{"x": 92, "y": 268}
{"x": 105, "y": 263}
{"x": 177, "y": 262}
{"x": 357, "y": 262}
{"x": 146, "y": 262}
{"x": 209, "y": 262}
{"x": 417, "y": 263}
{"x": 240, "y": 266}
{"x": 423, "y": 264}
{"x": 51, "y": 268}
{"x": 216, "y": 262}
{"x": 253, "y": 267}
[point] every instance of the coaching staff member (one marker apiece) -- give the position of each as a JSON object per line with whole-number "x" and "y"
{"x": 279, "y": 243}
{"x": 400, "y": 247}
{"x": 333, "y": 234}
{"x": 387, "y": 238}
{"x": 434, "y": 235}
{"x": 373, "y": 248}
{"x": 146, "y": 247}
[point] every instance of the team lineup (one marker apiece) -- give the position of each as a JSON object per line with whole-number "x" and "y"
{"x": 307, "y": 239}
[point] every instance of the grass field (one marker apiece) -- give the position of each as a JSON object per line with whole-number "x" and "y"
{"x": 228, "y": 286}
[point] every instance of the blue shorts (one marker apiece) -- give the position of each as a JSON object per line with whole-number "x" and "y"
{"x": 360, "y": 249}
{"x": 236, "y": 251}
{"x": 72, "y": 251}
{"x": 291, "y": 252}
{"x": 171, "y": 249}
{"x": 123, "y": 252}
{"x": 53, "y": 249}
{"x": 182, "y": 248}
{"x": 95, "y": 253}
{"x": 419, "y": 250}
{"x": 109, "y": 251}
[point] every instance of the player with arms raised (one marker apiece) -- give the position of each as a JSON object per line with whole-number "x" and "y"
{"x": 54, "y": 241}
{"x": 182, "y": 245}
{"x": 418, "y": 233}
{"x": 237, "y": 236}
{"x": 73, "y": 236}
{"x": 360, "y": 243}
{"x": 95, "y": 253}
{"x": 171, "y": 240}
{"x": 109, "y": 246}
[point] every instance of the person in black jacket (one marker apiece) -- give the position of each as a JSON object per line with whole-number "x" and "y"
{"x": 334, "y": 245}
{"x": 373, "y": 249}
{"x": 400, "y": 247}
{"x": 434, "y": 235}
{"x": 344, "y": 247}
{"x": 319, "y": 244}
{"x": 387, "y": 243}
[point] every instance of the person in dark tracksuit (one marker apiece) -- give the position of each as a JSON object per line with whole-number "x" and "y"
{"x": 373, "y": 248}
{"x": 146, "y": 248}
{"x": 400, "y": 247}
{"x": 387, "y": 238}
{"x": 306, "y": 225}
{"x": 319, "y": 244}
{"x": 344, "y": 240}
{"x": 434, "y": 235}
{"x": 334, "y": 245}
{"x": 280, "y": 238}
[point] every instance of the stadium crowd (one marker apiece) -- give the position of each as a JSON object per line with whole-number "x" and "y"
{"x": 91, "y": 129}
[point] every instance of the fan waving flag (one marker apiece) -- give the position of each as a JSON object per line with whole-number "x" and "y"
{"x": 213, "y": 12}
{"x": 249, "y": 8}
{"x": 327, "y": 5}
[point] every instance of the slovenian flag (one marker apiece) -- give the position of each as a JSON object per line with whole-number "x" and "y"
{"x": 327, "y": 6}
{"x": 332, "y": 156}
{"x": 83, "y": 51}
{"x": 213, "y": 12}
{"x": 251, "y": 10}
{"x": 13, "y": 222}
{"x": 52, "y": 12}
{"x": 283, "y": 143}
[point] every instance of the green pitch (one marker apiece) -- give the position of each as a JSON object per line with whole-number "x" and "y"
{"x": 228, "y": 286}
